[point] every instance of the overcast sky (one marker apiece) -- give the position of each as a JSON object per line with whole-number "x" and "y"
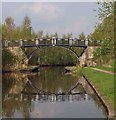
{"x": 51, "y": 17}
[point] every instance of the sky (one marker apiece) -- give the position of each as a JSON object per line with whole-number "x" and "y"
{"x": 51, "y": 17}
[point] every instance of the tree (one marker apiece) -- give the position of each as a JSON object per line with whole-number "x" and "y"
{"x": 105, "y": 31}
{"x": 69, "y": 35}
{"x": 26, "y": 28}
{"x": 82, "y": 36}
{"x": 4, "y": 31}
{"x": 8, "y": 27}
{"x": 106, "y": 8}
{"x": 17, "y": 33}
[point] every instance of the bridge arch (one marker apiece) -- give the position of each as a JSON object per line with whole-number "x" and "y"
{"x": 67, "y": 48}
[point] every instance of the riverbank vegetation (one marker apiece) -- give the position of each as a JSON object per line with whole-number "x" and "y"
{"x": 13, "y": 59}
{"x": 104, "y": 33}
{"x": 102, "y": 82}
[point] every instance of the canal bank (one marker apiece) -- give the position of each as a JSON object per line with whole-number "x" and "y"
{"x": 14, "y": 60}
{"x": 102, "y": 84}
{"x": 108, "y": 106}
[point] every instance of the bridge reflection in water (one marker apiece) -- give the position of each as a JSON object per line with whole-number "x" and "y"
{"x": 50, "y": 94}
{"x": 48, "y": 98}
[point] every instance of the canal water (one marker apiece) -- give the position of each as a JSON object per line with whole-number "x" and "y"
{"x": 49, "y": 93}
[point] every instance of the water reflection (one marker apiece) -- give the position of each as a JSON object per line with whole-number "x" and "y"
{"x": 21, "y": 98}
{"x": 13, "y": 83}
{"x": 52, "y": 80}
{"x": 48, "y": 98}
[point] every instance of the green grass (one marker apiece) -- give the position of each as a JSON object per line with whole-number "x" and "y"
{"x": 103, "y": 81}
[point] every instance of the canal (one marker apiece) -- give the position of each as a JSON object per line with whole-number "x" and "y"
{"x": 49, "y": 93}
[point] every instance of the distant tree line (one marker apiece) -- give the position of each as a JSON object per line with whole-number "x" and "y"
{"x": 12, "y": 32}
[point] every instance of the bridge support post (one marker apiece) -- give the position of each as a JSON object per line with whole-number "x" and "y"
{"x": 86, "y": 42}
{"x": 53, "y": 41}
{"x": 70, "y": 41}
{"x": 37, "y": 41}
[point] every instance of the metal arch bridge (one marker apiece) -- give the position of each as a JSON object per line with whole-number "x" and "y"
{"x": 39, "y": 43}
{"x": 66, "y": 46}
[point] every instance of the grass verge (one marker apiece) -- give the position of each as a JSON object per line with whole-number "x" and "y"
{"x": 104, "y": 82}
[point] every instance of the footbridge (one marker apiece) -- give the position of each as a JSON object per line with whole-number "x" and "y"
{"x": 50, "y": 42}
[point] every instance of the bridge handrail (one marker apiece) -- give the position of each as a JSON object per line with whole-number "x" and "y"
{"x": 37, "y": 41}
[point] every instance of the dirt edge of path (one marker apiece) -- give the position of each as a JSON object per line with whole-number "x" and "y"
{"x": 105, "y": 71}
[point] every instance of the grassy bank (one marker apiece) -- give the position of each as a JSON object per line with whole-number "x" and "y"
{"x": 102, "y": 81}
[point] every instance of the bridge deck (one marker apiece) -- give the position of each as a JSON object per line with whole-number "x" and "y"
{"x": 48, "y": 45}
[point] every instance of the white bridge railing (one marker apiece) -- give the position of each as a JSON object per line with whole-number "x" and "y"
{"x": 53, "y": 41}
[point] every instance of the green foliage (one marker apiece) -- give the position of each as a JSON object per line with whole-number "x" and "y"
{"x": 82, "y": 36}
{"x": 12, "y": 32}
{"x": 8, "y": 58}
{"x": 105, "y": 30}
{"x": 103, "y": 34}
{"x": 53, "y": 56}
{"x": 8, "y": 28}
{"x": 104, "y": 52}
{"x": 13, "y": 58}
{"x": 17, "y": 33}
{"x": 106, "y": 8}
{"x": 4, "y": 32}
{"x": 26, "y": 28}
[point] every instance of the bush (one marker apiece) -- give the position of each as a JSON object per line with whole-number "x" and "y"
{"x": 8, "y": 58}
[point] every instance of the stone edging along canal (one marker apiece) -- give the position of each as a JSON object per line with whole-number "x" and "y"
{"x": 109, "y": 109}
